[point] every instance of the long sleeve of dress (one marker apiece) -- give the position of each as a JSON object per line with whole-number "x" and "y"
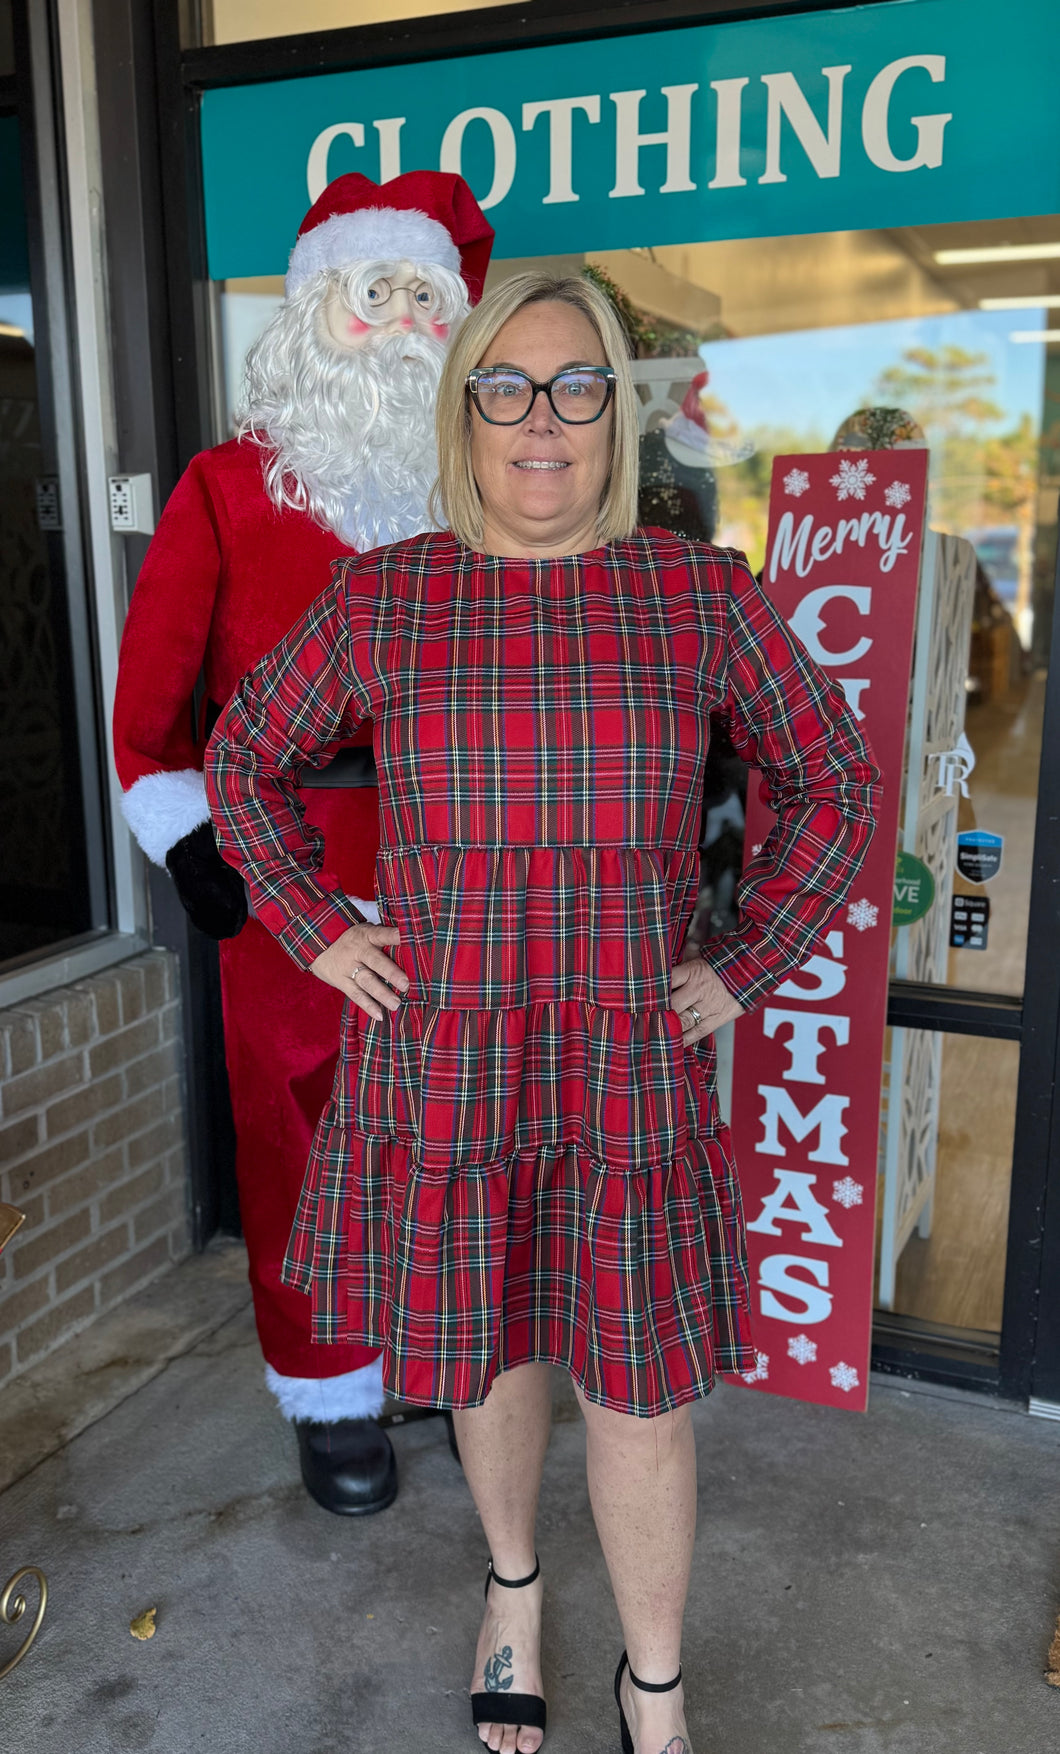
{"x": 788, "y": 720}
{"x": 298, "y": 703}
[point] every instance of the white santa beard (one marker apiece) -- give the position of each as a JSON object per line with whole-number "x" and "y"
{"x": 351, "y": 432}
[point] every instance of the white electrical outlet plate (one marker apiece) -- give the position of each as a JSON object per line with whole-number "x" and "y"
{"x": 132, "y": 504}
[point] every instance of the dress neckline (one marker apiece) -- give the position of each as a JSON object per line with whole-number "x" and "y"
{"x": 528, "y": 560}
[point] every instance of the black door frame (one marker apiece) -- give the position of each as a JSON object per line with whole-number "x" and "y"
{"x": 1027, "y": 1362}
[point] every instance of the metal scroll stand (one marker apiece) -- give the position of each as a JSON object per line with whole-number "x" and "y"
{"x": 12, "y": 1600}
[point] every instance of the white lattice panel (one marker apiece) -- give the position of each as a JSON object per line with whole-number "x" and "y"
{"x": 915, "y": 1109}
{"x": 936, "y": 720}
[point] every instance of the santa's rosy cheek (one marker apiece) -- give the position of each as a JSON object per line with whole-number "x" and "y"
{"x": 441, "y": 330}
{"x": 354, "y": 326}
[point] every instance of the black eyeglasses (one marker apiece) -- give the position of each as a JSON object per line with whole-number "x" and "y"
{"x": 505, "y": 396}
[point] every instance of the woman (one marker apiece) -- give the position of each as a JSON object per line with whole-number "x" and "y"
{"x": 527, "y": 1166}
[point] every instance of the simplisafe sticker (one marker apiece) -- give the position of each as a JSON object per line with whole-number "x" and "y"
{"x": 914, "y": 890}
{"x": 979, "y": 854}
{"x": 969, "y": 922}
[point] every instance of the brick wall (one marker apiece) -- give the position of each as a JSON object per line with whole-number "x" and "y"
{"x": 91, "y": 1150}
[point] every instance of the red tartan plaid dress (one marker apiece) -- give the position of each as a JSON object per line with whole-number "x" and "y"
{"x": 522, "y": 1162}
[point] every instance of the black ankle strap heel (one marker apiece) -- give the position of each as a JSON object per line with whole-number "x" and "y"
{"x": 512, "y": 1583}
{"x": 526, "y": 1709}
{"x": 645, "y": 1687}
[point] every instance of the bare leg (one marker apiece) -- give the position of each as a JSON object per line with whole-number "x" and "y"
{"x": 502, "y": 1447}
{"x": 642, "y": 1484}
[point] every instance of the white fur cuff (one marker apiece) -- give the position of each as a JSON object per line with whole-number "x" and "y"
{"x": 161, "y": 808}
{"x": 357, "y": 1394}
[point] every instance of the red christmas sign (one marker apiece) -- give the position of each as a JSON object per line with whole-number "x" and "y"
{"x": 842, "y": 563}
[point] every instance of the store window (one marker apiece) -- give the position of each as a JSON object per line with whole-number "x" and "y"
{"x": 952, "y": 325}
{"x": 241, "y": 21}
{"x": 53, "y": 883}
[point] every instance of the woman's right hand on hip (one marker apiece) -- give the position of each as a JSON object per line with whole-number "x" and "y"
{"x": 358, "y": 966}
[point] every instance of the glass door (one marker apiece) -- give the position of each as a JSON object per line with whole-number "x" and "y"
{"x": 53, "y": 879}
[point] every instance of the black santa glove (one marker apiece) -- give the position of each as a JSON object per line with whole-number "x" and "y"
{"x": 211, "y": 893}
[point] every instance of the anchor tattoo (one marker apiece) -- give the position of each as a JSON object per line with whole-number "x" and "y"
{"x": 495, "y": 1681}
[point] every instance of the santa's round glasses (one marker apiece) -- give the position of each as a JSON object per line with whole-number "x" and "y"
{"x": 379, "y": 293}
{"x": 504, "y": 396}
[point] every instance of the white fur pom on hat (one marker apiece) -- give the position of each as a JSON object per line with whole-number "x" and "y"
{"x": 429, "y": 217}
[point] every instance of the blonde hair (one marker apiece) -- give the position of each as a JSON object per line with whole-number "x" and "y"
{"x": 458, "y": 501}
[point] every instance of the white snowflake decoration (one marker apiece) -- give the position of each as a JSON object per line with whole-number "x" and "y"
{"x": 862, "y": 915}
{"x": 760, "y": 1373}
{"x": 848, "y": 1192}
{"x": 796, "y": 482}
{"x": 844, "y": 1377}
{"x": 898, "y": 494}
{"x": 852, "y": 480}
{"x": 802, "y": 1349}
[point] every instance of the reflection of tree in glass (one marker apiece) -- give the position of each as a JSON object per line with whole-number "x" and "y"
{"x": 1011, "y": 495}
{"x": 981, "y": 482}
{"x": 743, "y": 488}
{"x": 940, "y": 386}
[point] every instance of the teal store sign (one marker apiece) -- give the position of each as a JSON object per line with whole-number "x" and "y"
{"x": 888, "y": 115}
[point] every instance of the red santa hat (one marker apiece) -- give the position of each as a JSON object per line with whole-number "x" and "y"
{"x": 427, "y": 217}
{"x": 686, "y": 431}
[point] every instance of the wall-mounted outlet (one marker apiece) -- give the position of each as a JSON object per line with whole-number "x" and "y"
{"x": 132, "y": 504}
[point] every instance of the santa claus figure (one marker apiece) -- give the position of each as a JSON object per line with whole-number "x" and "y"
{"x": 335, "y": 452}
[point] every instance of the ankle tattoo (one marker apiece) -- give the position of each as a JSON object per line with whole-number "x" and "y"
{"x": 677, "y": 1745}
{"x": 498, "y": 1682}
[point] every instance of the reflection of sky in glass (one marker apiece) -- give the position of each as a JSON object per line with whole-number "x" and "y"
{"x": 16, "y": 308}
{"x": 243, "y": 317}
{"x": 809, "y": 380}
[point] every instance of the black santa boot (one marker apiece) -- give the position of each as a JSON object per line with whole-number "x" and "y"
{"x": 348, "y": 1465}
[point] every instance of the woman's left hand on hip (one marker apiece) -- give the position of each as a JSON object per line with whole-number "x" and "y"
{"x": 700, "y": 997}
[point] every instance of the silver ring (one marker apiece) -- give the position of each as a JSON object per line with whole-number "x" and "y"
{"x": 694, "y": 1014}
{"x": 354, "y": 971}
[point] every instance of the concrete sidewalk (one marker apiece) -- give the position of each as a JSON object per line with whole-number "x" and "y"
{"x": 878, "y": 1585}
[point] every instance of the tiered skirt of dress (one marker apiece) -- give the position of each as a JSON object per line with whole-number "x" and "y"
{"x": 523, "y": 1163}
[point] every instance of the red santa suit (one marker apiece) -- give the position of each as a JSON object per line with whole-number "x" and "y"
{"x": 227, "y": 574}
{"x": 225, "y": 577}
